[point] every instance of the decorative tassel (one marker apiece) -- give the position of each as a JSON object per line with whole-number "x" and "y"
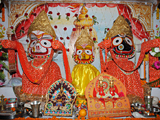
{"x": 66, "y": 65}
{"x": 102, "y": 61}
{"x": 58, "y": 45}
{"x": 12, "y": 61}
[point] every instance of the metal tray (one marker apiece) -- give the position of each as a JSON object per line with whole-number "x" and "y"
{"x": 7, "y": 114}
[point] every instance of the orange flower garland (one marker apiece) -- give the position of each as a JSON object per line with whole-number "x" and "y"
{"x": 97, "y": 118}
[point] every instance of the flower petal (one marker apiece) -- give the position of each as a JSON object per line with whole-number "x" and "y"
{"x": 157, "y": 64}
{"x": 156, "y": 49}
{"x": 152, "y": 53}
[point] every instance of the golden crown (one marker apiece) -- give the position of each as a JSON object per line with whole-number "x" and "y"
{"x": 84, "y": 38}
{"x": 120, "y": 26}
{"x": 42, "y": 23}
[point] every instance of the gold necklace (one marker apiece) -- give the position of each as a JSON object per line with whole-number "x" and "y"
{"x": 40, "y": 65}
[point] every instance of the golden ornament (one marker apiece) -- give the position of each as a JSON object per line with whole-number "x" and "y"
{"x": 120, "y": 26}
{"x": 83, "y": 19}
{"x": 42, "y": 23}
{"x": 84, "y": 38}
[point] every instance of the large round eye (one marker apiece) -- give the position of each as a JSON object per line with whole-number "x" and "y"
{"x": 128, "y": 40}
{"x": 33, "y": 43}
{"x": 45, "y": 43}
{"x": 117, "y": 41}
{"x": 88, "y": 52}
{"x": 79, "y": 52}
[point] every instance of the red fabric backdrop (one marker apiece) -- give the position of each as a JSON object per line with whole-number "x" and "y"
{"x": 137, "y": 28}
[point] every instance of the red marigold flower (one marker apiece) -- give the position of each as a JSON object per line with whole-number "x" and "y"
{"x": 90, "y": 29}
{"x": 61, "y": 38}
{"x": 68, "y": 14}
{"x": 67, "y": 38}
{"x": 86, "y": 16}
{"x": 92, "y": 16}
{"x": 94, "y": 39}
{"x": 17, "y": 16}
{"x": 26, "y": 14}
{"x": 11, "y": 27}
{"x": 65, "y": 28}
{"x": 55, "y": 26}
{"x": 82, "y": 27}
{"x": 74, "y": 29}
{"x": 67, "y": 50}
{"x": 27, "y": 40}
{"x": 58, "y": 13}
{"x": 107, "y": 28}
{"x": 76, "y": 15}
{"x": 50, "y": 12}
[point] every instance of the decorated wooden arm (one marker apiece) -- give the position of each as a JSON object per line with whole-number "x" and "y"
{"x": 145, "y": 47}
{"x": 14, "y": 45}
{"x": 59, "y": 46}
{"x": 105, "y": 44}
{"x": 8, "y": 44}
{"x": 148, "y": 45}
{"x": 11, "y": 56}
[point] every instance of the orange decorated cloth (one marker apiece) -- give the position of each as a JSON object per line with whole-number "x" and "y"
{"x": 131, "y": 80}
